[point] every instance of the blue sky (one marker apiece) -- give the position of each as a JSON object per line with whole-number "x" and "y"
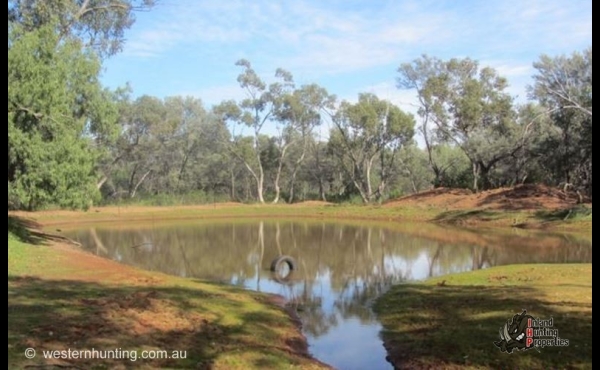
{"x": 189, "y": 47}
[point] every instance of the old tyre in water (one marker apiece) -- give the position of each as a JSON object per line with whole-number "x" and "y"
{"x": 279, "y": 275}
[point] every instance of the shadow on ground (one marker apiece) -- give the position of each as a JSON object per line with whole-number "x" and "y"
{"x": 446, "y": 326}
{"x": 62, "y": 314}
{"x": 463, "y": 217}
{"x": 579, "y": 212}
{"x": 24, "y": 230}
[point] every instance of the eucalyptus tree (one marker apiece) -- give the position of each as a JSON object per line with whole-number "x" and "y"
{"x": 172, "y": 145}
{"x": 99, "y": 24}
{"x": 415, "y": 76}
{"x": 467, "y": 106}
{"x": 563, "y": 85}
{"x": 320, "y": 168}
{"x": 254, "y": 112}
{"x": 412, "y": 173}
{"x": 367, "y": 133}
{"x": 299, "y": 112}
{"x": 200, "y": 161}
{"x": 139, "y": 147}
{"x": 564, "y": 82}
{"x": 286, "y": 137}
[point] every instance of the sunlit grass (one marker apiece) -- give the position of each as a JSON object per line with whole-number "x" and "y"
{"x": 452, "y": 321}
{"x": 61, "y": 298}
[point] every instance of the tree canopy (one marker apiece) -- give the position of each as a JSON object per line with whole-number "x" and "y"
{"x": 72, "y": 143}
{"x": 59, "y": 116}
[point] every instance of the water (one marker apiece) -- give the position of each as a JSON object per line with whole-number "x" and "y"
{"x": 340, "y": 269}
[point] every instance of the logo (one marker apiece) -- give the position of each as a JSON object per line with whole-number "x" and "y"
{"x": 523, "y": 332}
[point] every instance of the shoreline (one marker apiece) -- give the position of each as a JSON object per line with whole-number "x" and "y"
{"x": 396, "y": 218}
{"x": 112, "y": 275}
{"x": 526, "y": 219}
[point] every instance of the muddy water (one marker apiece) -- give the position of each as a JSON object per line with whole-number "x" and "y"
{"x": 340, "y": 269}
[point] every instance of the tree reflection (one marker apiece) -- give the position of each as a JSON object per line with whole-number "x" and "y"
{"x": 341, "y": 268}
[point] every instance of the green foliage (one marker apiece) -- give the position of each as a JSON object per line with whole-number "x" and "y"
{"x": 467, "y": 106}
{"x": 188, "y": 198}
{"x": 97, "y": 23}
{"x": 64, "y": 144}
{"x": 411, "y": 173}
{"x": 60, "y": 120}
{"x": 563, "y": 85}
{"x": 368, "y": 133}
{"x": 455, "y": 167}
{"x": 56, "y": 107}
{"x": 169, "y": 146}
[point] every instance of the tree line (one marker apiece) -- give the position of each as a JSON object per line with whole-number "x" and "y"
{"x": 74, "y": 143}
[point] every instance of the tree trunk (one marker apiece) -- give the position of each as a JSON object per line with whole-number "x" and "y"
{"x": 476, "y": 170}
{"x": 381, "y": 189}
{"x": 437, "y": 182}
{"x": 131, "y": 184}
{"x": 101, "y": 183}
{"x": 369, "y": 186}
{"x": 295, "y": 172}
{"x": 260, "y": 184}
{"x": 322, "y": 190}
{"x": 362, "y": 193}
{"x": 292, "y": 188}
{"x": 278, "y": 176}
{"x": 247, "y": 189}
{"x": 260, "y": 181}
{"x": 260, "y": 187}
{"x": 139, "y": 183}
{"x": 182, "y": 168}
{"x": 232, "y": 193}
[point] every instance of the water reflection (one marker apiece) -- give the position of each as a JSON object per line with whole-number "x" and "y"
{"x": 340, "y": 270}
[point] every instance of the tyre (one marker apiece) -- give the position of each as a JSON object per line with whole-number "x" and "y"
{"x": 279, "y": 275}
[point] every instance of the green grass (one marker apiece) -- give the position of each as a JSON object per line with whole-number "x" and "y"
{"x": 60, "y": 298}
{"x": 579, "y": 213}
{"x": 426, "y": 325}
{"x": 25, "y": 258}
{"x": 452, "y": 321}
{"x": 576, "y": 220}
{"x": 162, "y": 200}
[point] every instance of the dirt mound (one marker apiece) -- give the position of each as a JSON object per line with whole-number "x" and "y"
{"x": 521, "y": 197}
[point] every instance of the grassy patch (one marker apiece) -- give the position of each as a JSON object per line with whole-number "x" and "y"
{"x": 470, "y": 216}
{"x": 452, "y": 322}
{"x": 60, "y": 298}
{"x": 580, "y": 213}
{"x": 25, "y": 258}
{"x": 190, "y": 198}
{"x": 578, "y": 220}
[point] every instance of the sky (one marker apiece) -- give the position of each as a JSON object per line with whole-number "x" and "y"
{"x": 189, "y": 47}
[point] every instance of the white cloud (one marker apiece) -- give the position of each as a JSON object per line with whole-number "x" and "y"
{"x": 300, "y": 35}
{"x": 309, "y": 37}
{"x": 151, "y": 43}
{"x": 540, "y": 24}
{"x": 216, "y": 94}
{"x": 345, "y": 44}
